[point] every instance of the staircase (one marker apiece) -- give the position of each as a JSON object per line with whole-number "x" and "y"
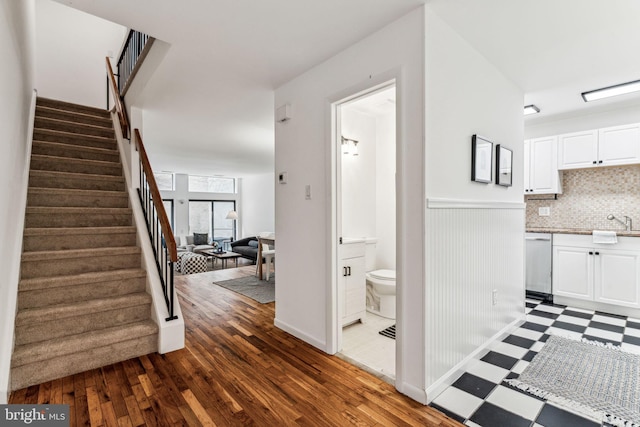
{"x": 81, "y": 299}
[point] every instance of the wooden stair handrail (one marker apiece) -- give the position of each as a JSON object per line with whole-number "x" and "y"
{"x": 170, "y": 239}
{"x": 120, "y": 110}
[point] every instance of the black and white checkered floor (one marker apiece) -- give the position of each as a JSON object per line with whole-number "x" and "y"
{"x": 481, "y": 398}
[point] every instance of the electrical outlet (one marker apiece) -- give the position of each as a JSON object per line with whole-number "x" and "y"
{"x": 494, "y": 297}
{"x": 545, "y": 211}
{"x": 307, "y": 192}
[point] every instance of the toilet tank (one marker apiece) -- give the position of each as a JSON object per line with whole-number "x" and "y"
{"x": 370, "y": 253}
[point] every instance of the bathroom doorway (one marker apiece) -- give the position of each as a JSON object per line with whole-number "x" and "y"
{"x": 365, "y": 225}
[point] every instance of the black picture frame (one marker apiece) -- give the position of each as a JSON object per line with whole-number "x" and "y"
{"x": 504, "y": 166}
{"x": 481, "y": 159}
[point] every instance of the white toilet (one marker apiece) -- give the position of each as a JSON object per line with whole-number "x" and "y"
{"x": 381, "y": 285}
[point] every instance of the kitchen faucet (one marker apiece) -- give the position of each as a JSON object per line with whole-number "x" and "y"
{"x": 626, "y": 223}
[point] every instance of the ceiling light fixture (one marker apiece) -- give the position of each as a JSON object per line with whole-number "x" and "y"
{"x": 615, "y": 90}
{"x": 531, "y": 109}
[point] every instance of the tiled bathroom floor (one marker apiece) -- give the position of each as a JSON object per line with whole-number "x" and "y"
{"x": 481, "y": 398}
{"x": 362, "y": 344}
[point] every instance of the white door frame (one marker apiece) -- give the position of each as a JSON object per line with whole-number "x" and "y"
{"x": 370, "y": 86}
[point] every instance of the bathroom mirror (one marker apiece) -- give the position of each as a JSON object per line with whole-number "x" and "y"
{"x": 481, "y": 159}
{"x": 504, "y": 164}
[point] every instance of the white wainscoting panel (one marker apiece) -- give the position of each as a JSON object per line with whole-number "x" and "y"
{"x": 471, "y": 251}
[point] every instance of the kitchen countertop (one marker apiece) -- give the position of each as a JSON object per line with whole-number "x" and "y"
{"x": 633, "y": 233}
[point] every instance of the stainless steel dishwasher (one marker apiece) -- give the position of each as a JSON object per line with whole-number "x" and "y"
{"x": 538, "y": 266}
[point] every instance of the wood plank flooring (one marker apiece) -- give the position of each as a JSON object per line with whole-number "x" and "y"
{"x": 237, "y": 369}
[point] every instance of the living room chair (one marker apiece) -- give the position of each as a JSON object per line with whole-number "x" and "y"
{"x": 269, "y": 256}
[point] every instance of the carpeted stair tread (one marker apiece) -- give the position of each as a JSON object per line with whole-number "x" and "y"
{"x": 46, "y": 314}
{"x": 73, "y": 165}
{"x": 68, "y": 106}
{"x": 60, "y": 149}
{"x": 73, "y": 197}
{"x": 76, "y": 116}
{"x": 26, "y": 285}
{"x": 31, "y": 353}
{"x": 62, "y": 366}
{"x": 73, "y": 127}
{"x": 55, "y": 179}
{"x": 52, "y": 135}
{"x": 63, "y": 216}
{"x": 78, "y": 230}
{"x": 65, "y": 238}
{"x": 79, "y": 253}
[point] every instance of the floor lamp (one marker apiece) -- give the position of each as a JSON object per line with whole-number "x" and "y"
{"x": 234, "y": 216}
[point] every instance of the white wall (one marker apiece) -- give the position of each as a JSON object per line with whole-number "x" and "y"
{"x": 71, "y": 48}
{"x": 386, "y": 191}
{"x": 359, "y": 176}
{"x": 304, "y": 227}
{"x": 16, "y": 85}
{"x": 475, "y": 243}
{"x": 258, "y": 205}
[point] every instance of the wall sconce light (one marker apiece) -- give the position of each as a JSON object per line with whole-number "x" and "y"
{"x": 349, "y": 146}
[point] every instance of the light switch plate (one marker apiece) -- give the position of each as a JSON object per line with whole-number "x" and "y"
{"x": 282, "y": 177}
{"x": 545, "y": 211}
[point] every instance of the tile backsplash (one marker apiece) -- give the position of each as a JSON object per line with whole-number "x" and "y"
{"x": 589, "y": 195}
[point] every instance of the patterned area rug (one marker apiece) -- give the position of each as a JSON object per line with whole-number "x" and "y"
{"x": 598, "y": 380}
{"x": 263, "y": 291}
{"x": 389, "y": 332}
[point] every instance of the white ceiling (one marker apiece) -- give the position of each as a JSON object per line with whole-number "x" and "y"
{"x": 554, "y": 49}
{"x": 209, "y": 106}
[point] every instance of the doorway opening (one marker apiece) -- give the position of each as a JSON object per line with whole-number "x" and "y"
{"x": 365, "y": 225}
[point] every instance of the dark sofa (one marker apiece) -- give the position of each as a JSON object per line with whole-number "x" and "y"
{"x": 247, "y": 247}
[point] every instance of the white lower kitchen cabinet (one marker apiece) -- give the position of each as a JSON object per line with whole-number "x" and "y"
{"x": 617, "y": 277}
{"x": 608, "y": 274}
{"x": 572, "y": 272}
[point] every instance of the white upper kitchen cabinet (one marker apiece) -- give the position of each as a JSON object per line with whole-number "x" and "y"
{"x": 619, "y": 145}
{"x": 612, "y": 146}
{"x": 541, "y": 166}
{"x": 578, "y": 150}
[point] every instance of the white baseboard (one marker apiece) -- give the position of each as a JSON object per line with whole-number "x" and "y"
{"x": 416, "y": 393}
{"x": 454, "y": 373}
{"x": 299, "y": 334}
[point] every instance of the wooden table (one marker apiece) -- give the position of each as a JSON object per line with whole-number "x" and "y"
{"x": 224, "y": 256}
{"x": 271, "y": 240}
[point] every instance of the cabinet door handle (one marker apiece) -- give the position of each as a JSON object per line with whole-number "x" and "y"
{"x": 594, "y": 162}
{"x": 344, "y": 271}
{"x": 599, "y": 161}
{"x": 349, "y": 270}
{"x": 597, "y": 253}
{"x": 590, "y": 253}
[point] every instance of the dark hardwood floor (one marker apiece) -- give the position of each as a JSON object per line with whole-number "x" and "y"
{"x": 237, "y": 369}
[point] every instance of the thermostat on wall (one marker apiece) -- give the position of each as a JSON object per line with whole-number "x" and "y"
{"x": 282, "y": 177}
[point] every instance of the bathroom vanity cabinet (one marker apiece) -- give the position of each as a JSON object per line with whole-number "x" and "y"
{"x": 608, "y": 274}
{"x": 352, "y": 286}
